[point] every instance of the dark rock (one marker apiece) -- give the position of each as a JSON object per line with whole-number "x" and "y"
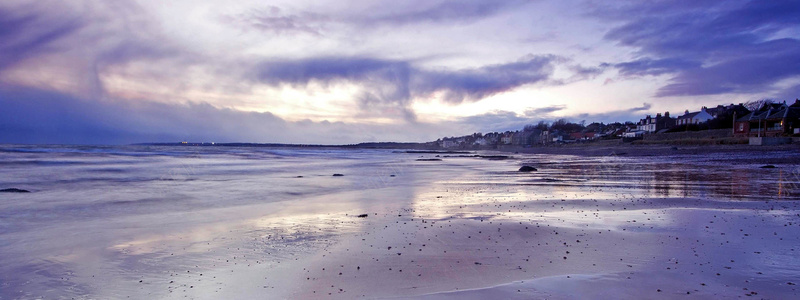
{"x": 337, "y": 175}
{"x": 527, "y": 169}
{"x": 363, "y": 215}
{"x": 494, "y": 157}
{"x": 429, "y": 159}
{"x": 436, "y": 152}
{"x": 767, "y": 167}
{"x": 14, "y": 190}
{"x": 299, "y": 176}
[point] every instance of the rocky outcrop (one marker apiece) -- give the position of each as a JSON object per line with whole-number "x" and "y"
{"x": 14, "y": 190}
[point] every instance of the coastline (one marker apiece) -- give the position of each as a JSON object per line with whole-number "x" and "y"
{"x": 658, "y": 150}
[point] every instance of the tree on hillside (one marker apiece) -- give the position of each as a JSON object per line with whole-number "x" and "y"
{"x": 542, "y": 125}
{"x": 565, "y": 126}
{"x": 595, "y": 127}
{"x": 754, "y": 105}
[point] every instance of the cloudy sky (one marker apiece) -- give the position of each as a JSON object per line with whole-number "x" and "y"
{"x": 344, "y": 71}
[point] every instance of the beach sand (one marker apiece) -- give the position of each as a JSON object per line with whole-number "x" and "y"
{"x": 599, "y": 227}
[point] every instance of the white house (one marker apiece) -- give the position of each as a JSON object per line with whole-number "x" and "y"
{"x": 697, "y": 117}
{"x": 633, "y": 134}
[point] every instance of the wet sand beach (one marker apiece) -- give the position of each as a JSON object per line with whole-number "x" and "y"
{"x": 229, "y": 223}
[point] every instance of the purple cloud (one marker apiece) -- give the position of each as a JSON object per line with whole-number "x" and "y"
{"x": 31, "y": 116}
{"x": 277, "y": 20}
{"x": 273, "y": 19}
{"x": 647, "y": 66}
{"x": 391, "y": 85}
{"x": 541, "y": 112}
{"x": 478, "y": 83}
{"x": 446, "y": 11}
{"x": 465, "y": 84}
{"x": 710, "y": 47}
{"x": 25, "y": 34}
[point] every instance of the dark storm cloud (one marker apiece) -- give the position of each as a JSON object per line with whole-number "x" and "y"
{"x": 41, "y": 117}
{"x": 390, "y": 85}
{"x": 386, "y": 87}
{"x": 478, "y": 83}
{"x": 645, "y": 106}
{"x": 710, "y": 47}
{"x": 544, "y": 111}
{"x": 329, "y": 69}
{"x": 749, "y": 73}
{"x": 583, "y": 73}
{"x": 647, "y": 66}
{"x": 84, "y": 41}
{"x": 790, "y": 93}
{"x": 34, "y": 116}
{"x": 26, "y": 33}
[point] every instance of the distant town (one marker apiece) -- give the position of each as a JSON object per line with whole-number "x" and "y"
{"x": 767, "y": 121}
{"x": 760, "y": 122}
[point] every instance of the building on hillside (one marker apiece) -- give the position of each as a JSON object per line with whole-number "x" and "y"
{"x": 633, "y": 134}
{"x": 582, "y": 136}
{"x": 528, "y": 137}
{"x": 507, "y": 138}
{"x": 772, "y": 120}
{"x": 450, "y": 143}
{"x": 697, "y": 117}
{"x": 721, "y": 110}
{"x": 651, "y": 125}
{"x": 492, "y": 138}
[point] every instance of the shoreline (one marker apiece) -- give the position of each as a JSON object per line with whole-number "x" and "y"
{"x": 652, "y": 150}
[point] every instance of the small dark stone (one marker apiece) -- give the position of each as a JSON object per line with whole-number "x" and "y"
{"x": 363, "y": 215}
{"x": 767, "y": 167}
{"x": 337, "y": 175}
{"x": 429, "y": 159}
{"x": 527, "y": 169}
{"x": 494, "y": 157}
{"x": 14, "y": 190}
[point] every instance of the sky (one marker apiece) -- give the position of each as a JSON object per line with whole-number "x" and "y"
{"x": 340, "y": 72}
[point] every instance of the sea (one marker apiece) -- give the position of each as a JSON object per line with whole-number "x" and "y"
{"x": 151, "y": 222}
